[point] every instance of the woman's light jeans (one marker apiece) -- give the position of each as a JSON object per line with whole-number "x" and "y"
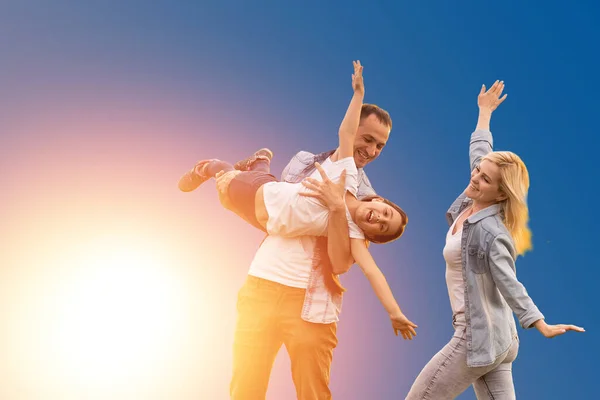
{"x": 447, "y": 375}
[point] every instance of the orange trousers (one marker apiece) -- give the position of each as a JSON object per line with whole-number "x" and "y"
{"x": 269, "y": 316}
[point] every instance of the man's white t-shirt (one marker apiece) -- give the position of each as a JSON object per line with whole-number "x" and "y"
{"x": 291, "y": 214}
{"x": 288, "y": 260}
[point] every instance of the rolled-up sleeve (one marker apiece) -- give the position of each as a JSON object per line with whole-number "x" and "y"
{"x": 286, "y": 170}
{"x": 481, "y": 144}
{"x": 502, "y": 269}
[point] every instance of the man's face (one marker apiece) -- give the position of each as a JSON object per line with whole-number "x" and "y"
{"x": 371, "y": 137}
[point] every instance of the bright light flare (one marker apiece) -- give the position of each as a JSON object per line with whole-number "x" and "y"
{"x": 122, "y": 312}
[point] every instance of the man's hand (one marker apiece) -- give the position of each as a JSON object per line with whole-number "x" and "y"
{"x": 223, "y": 180}
{"x": 357, "y": 78}
{"x": 330, "y": 194}
{"x": 403, "y": 325}
{"x": 490, "y": 100}
{"x": 551, "y": 331}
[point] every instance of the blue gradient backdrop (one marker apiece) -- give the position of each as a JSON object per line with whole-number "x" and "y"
{"x": 237, "y": 75}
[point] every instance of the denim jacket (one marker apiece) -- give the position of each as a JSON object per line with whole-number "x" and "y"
{"x": 320, "y": 306}
{"x": 492, "y": 290}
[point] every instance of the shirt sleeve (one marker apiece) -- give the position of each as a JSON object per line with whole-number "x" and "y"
{"x": 481, "y": 144}
{"x": 502, "y": 268}
{"x": 286, "y": 170}
{"x": 354, "y": 231}
{"x": 351, "y": 174}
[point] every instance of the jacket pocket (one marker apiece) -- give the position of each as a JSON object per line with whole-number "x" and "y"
{"x": 477, "y": 260}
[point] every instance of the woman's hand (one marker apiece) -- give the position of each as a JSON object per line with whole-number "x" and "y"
{"x": 403, "y": 325}
{"x": 551, "y": 331}
{"x": 490, "y": 100}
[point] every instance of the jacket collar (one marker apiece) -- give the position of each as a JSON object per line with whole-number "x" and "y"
{"x": 486, "y": 212}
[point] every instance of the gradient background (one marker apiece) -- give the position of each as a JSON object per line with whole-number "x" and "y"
{"x": 115, "y": 285}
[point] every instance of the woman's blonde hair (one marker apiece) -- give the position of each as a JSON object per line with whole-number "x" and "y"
{"x": 514, "y": 183}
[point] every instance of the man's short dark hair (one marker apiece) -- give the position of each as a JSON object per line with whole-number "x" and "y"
{"x": 382, "y": 115}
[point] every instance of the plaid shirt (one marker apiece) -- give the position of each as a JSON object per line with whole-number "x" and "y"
{"x": 320, "y": 306}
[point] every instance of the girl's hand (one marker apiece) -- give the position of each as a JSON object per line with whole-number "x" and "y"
{"x": 330, "y": 194}
{"x": 403, "y": 325}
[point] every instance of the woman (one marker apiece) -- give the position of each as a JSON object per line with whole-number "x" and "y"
{"x": 288, "y": 210}
{"x": 488, "y": 230}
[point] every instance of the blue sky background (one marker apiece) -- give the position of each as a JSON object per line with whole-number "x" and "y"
{"x": 232, "y": 76}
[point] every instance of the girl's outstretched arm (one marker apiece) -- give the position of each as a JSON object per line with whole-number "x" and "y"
{"x": 379, "y": 284}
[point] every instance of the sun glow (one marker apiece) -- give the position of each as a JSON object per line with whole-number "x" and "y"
{"x": 121, "y": 311}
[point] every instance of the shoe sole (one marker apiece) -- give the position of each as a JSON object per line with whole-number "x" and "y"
{"x": 191, "y": 180}
{"x": 243, "y": 165}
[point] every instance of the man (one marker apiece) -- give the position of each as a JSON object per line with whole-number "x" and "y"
{"x": 283, "y": 302}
